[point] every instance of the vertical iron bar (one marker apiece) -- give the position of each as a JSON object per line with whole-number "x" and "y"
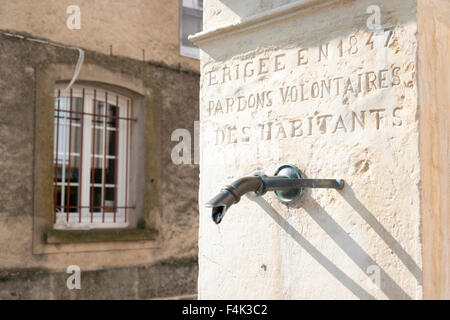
{"x": 116, "y": 157}
{"x": 80, "y": 185}
{"x": 126, "y": 164}
{"x": 105, "y": 135}
{"x": 69, "y": 158}
{"x": 63, "y": 162}
{"x": 91, "y": 204}
{"x": 55, "y": 191}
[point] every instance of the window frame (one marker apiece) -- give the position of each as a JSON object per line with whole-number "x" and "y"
{"x": 87, "y": 218}
{"x": 145, "y": 221}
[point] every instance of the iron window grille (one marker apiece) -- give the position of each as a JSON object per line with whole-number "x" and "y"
{"x": 92, "y": 130}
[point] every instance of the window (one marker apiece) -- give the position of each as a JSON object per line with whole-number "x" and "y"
{"x": 191, "y": 22}
{"x": 92, "y": 129}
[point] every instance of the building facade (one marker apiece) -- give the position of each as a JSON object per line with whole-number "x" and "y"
{"x": 89, "y": 179}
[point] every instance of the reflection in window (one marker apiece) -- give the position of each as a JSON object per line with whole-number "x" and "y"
{"x": 191, "y": 21}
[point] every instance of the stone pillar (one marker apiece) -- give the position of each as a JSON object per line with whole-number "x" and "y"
{"x": 331, "y": 87}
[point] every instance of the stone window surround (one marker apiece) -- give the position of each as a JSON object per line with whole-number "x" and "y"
{"x": 144, "y": 231}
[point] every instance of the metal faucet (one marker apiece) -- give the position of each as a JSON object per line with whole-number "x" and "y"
{"x": 287, "y": 183}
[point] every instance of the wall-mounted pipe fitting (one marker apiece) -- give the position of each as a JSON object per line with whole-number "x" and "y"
{"x": 288, "y": 185}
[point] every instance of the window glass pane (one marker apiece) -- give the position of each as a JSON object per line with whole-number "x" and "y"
{"x": 58, "y": 199}
{"x": 58, "y": 144}
{"x": 110, "y": 171}
{"x": 111, "y": 143}
{"x": 99, "y": 110}
{"x": 70, "y": 203}
{"x": 74, "y": 175}
{"x": 64, "y": 112}
{"x": 96, "y": 176}
{"x": 77, "y": 104}
{"x": 77, "y": 110}
{"x": 71, "y": 200}
{"x": 97, "y": 142}
{"x": 68, "y": 183}
{"x": 64, "y": 105}
{"x": 109, "y": 200}
{"x": 96, "y": 199}
{"x": 190, "y": 23}
{"x": 67, "y": 138}
{"x": 112, "y": 112}
{"x": 75, "y": 140}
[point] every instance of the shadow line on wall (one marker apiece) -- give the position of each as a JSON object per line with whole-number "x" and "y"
{"x": 348, "y": 282}
{"x": 349, "y": 195}
{"x": 353, "y": 250}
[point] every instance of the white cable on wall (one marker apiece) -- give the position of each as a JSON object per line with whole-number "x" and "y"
{"x": 80, "y": 57}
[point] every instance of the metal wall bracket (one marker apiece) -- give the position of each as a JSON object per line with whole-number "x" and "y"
{"x": 292, "y": 189}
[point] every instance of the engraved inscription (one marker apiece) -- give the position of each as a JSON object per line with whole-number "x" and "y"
{"x": 321, "y": 98}
{"x": 311, "y": 125}
{"x": 301, "y": 57}
{"x": 360, "y": 83}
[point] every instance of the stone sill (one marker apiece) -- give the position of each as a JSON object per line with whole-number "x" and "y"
{"x": 98, "y": 235}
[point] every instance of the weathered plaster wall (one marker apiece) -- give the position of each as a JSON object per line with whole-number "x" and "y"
{"x": 174, "y": 278}
{"x": 332, "y": 243}
{"x": 26, "y": 273}
{"x": 129, "y": 26}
